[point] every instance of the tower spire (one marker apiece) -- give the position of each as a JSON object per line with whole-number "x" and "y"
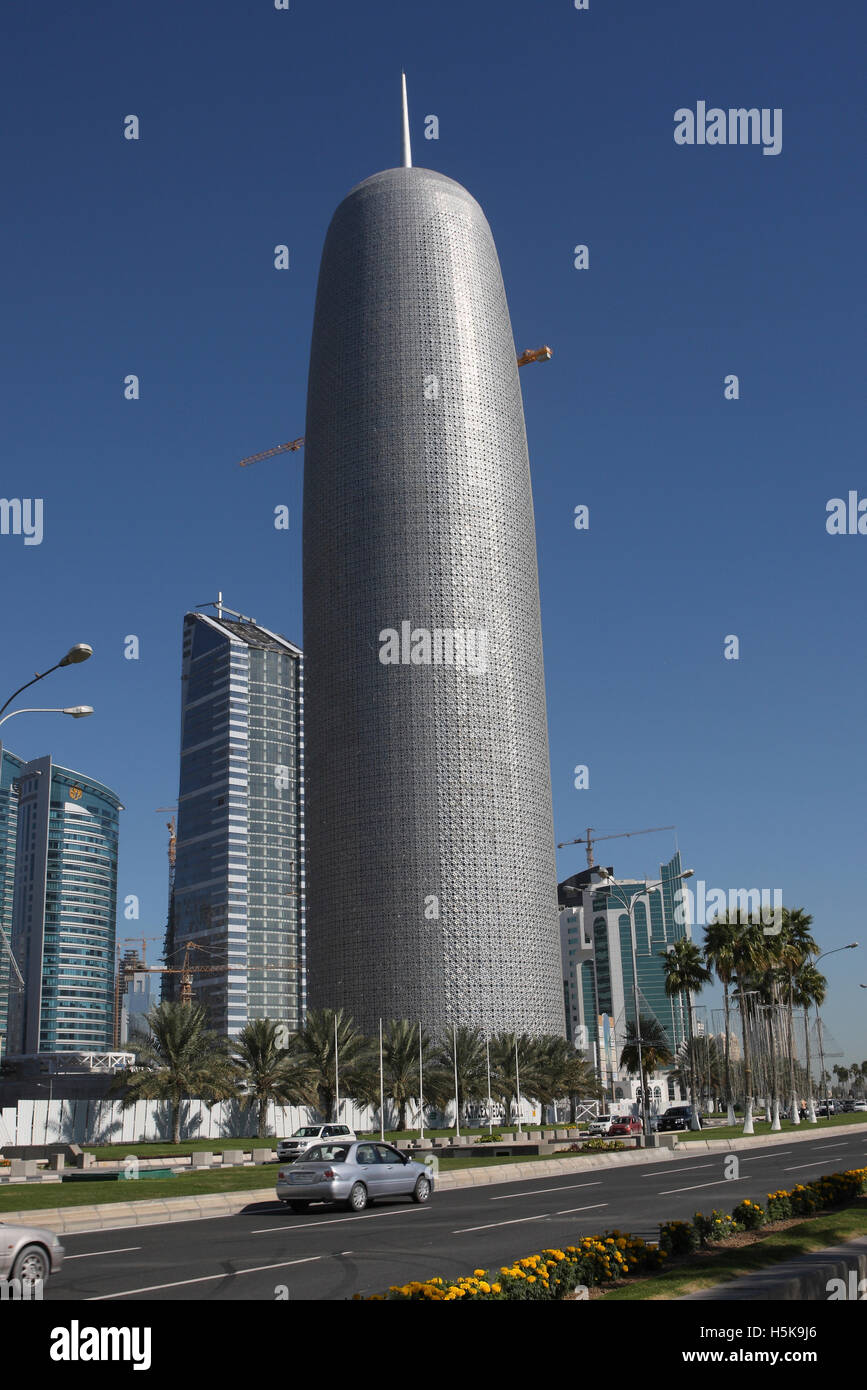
{"x": 406, "y": 160}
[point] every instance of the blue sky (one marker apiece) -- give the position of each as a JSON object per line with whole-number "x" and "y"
{"x": 707, "y": 516}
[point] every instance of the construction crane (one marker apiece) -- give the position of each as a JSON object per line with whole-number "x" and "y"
{"x": 590, "y": 840}
{"x": 124, "y": 971}
{"x": 187, "y": 970}
{"x": 172, "y": 828}
{"x": 19, "y": 978}
{"x": 542, "y": 354}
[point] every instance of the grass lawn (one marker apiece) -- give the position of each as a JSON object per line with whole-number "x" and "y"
{"x": 718, "y": 1265}
{"x": 37, "y": 1197}
{"x": 763, "y": 1128}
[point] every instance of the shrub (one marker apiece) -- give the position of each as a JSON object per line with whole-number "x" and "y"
{"x": 490, "y": 1139}
{"x": 779, "y": 1206}
{"x": 678, "y": 1238}
{"x": 748, "y": 1216}
{"x": 713, "y": 1228}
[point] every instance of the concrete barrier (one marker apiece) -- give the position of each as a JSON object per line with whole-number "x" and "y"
{"x": 233, "y": 1157}
{"x": 200, "y": 1159}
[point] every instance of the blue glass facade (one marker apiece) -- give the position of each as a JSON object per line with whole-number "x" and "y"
{"x": 10, "y": 768}
{"x": 64, "y": 910}
{"x": 239, "y": 871}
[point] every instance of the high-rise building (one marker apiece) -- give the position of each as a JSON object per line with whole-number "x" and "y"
{"x": 138, "y": 990}
{"x": 64, "y": 910}
{"x": 10, "y": 769}
{"x": 239, "y": 863}
{"x": 596, "y": 956}
{"x": 431, "y": 875}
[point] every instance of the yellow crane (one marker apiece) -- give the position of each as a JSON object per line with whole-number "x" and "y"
{"x": 542, "y": 354}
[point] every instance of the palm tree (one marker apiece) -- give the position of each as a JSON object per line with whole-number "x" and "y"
{"x": 400, "y": 1068}
{"x": 702, "y": 1055}
{"x": 655, "y": 1048}
{"x": 796, "y": 946}
{"x": 685, "y": 974}
{"x": 719, "y": 952}
{"x": 748, "y": 957}
{"x": 504, "y": 1082}
{"x": 468, "y": 1045}
{"x": 809, "y": 988}
{"x": 316, "y": 1050}
{"x": 180, "y": 1058}
{"x": 561, "y": 1071}
{"x": 268, "y": 1071}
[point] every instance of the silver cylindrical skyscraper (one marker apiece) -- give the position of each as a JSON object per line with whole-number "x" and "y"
{"x": 430, "y": 847}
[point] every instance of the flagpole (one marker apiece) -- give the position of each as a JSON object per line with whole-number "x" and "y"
{"x": 381, "y": 1089}
{"x": 420, "y": 1088}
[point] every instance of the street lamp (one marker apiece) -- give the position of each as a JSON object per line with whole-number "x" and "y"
{"x": 77, "y": 712}
{"x": 811, "y": 1116}
{"x": 629, "y": 907}
{"x": 80, "y": 652}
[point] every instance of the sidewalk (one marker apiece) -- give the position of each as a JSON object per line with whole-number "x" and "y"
{"x": 806, "y": 1278}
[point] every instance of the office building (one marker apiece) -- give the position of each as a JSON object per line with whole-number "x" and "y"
{"x": 64, "y": 908}
{"x": 239, "y": 864}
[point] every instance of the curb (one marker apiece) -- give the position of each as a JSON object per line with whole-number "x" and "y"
{"x": 162, "y": 1211}
{"x": 803, "y": 1279}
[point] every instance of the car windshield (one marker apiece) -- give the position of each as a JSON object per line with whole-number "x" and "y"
{"x": 307, "y": 1132}
{"x": 327, "y": 1153}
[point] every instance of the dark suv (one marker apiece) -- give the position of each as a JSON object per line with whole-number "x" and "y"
{"x": 675, "y": 1117}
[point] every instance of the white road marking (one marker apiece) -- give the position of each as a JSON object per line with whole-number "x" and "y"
{"x": 203, "y": 1279}
{"x": 761, "y": 1158}
{"x": 89, "y": 1254}
{"x": 538, "y": 1190}
{"x": 518, "y": 1220}
{"x": 339, "y": 1220}
{"x": 570, "y": 1210}
{"x": 668, "y": 1191}
{"x": 693, "y": 1168}
{"x": 795, "y": 1166}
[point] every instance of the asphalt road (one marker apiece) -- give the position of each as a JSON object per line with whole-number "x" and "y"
{"x": 266, "y": 1252}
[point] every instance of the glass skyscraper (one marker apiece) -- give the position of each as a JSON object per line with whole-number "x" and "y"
{"x": 10, "y": 769}
{"x": 596, "y": 951}
{"x": 64, "y": 910}
{"x": 239, "y": 867}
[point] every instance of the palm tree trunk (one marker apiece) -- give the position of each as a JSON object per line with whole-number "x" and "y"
{"x": 811, "y": 1109}
{"x": 263, "y": 1117}
{"x": 693, "y": 1117}
{"x": 176, "y": 1121}
{"x": 790, "y": 1040}
{"x": 730, "y": 1115}
{"x": 748, "y": 1067}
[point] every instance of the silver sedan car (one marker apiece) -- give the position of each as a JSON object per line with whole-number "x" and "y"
{"x": 28, "y": 1253}
{"x": 353, "y": 1174}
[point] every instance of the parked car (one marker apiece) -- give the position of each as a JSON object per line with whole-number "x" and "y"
{"x": 29, "y": 1253}
{"x": 308, "y": 1135}
{"x": 624, "y": 1124}
{"x": 860, "y": 1106}
{"x": 354, "y": 1174}
{"x": 826, "y": 1108}
{"x": 601, "y": 1125}
{"x": 675, "y": 1117}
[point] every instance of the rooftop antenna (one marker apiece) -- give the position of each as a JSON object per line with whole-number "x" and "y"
{"x": 406, "y": 160}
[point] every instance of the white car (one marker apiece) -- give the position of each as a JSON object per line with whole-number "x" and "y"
{"x": 308, "y": 1135}
{"x": 860, "y": 1105}
{"x": 601, "y": 1126}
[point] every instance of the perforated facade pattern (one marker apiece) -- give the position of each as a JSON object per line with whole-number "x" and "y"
{"x": 428, "y": 785}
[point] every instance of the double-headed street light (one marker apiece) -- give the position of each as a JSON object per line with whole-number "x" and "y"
{"x": 80, "y": 652}
{"x": 629, "y": 907}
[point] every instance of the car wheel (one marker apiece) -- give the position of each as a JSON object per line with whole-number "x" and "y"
{"x": 299, "y": 1206}
{"x": 357, "y": 1197}
{"x": 31, "y": 1264}
{"x": 421, "y": 1191}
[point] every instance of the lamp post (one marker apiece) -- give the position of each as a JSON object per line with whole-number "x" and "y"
{"x": 77, "y": 712}
{"x": 852, "y": 946}
{"x": 80, "y": 652}
{"x": 629, "y": 907}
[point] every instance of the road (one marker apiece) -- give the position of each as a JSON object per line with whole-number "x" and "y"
{"x": 266, "y": 1252}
